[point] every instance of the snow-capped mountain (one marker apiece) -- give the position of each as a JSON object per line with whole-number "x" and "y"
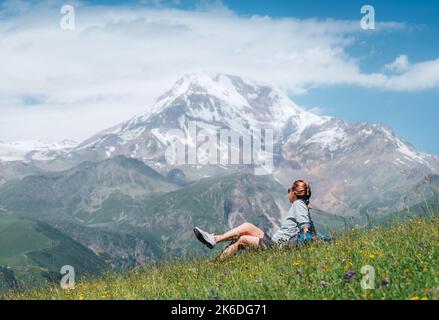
{"x": 349, "y": 164}
{"x": 353, "y": 167}
{"x": 38, "y": 150}
{"x": 213, "y": 102}
{"x": 224, "y": 101}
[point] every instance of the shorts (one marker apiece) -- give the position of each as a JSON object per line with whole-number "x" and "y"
{"x": 266, "y": 242}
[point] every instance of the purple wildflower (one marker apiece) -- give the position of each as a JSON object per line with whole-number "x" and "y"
{"x": 349, "y": 275}
{"x": 384, "y": 282}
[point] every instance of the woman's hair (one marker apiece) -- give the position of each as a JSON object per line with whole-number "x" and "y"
{"x": 302, "y": 190}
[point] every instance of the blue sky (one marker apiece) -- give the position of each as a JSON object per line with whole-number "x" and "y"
{"x": 354, "y": 85}
{"x": 414, "y": 116}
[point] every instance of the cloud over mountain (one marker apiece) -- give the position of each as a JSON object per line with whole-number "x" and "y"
{"x": 119, "y": 59}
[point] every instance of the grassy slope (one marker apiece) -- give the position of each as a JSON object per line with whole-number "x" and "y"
{"x": 18, "y": 237}
{"x": 33, "y": 253}
{"x": 422, "y": 209}
{"x": 405, "y": 255}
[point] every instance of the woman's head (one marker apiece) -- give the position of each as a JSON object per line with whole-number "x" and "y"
{"x": 300, "y": 190}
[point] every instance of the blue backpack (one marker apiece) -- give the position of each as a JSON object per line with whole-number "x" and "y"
{"x": 308, "y": 237}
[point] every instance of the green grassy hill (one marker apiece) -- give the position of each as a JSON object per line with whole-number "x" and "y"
{"x": 421, "y": 209}
{"x": 32, "y": 254}
{"x": 404, "y": 256}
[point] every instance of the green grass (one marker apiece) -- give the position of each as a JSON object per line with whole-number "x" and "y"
{"x": 32, "y": 253}
{"x": 17, "y": 237}
{"x": 404, "y": 255}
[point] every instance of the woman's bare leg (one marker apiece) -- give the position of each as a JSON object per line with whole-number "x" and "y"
{"x": 243, "y": 242}
{"x": 245, "y": 229}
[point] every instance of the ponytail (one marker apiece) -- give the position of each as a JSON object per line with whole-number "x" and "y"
{"x": 302, "y": 190}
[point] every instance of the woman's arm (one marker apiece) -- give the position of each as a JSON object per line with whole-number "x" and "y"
{"x": 302, "y": 216}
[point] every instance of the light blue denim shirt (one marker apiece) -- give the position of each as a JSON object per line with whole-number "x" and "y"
{"x": 297, "y": 218}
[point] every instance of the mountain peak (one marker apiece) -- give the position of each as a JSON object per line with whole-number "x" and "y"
{"x": 229, "y": 94}
{"x": 217, "y": 85}
{"x": 212, "y": 101}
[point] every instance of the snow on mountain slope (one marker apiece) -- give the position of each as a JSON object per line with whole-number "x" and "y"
{"x": 33, "y": 150}
{"x": 212, "y": 101}
{"x": 225, "y": 101}
{"x": 331, "y": 139}
{"x": 234, "y": 96}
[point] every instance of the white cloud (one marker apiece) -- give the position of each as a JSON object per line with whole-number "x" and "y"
{"x": 415, "y": 77}
{"x": 400, "y": 65}
{"x": 57, "y": 84}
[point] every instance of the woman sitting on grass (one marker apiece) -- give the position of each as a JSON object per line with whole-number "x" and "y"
{"x": 248, "y": 235}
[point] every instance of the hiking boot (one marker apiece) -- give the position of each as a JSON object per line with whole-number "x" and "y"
{"x": 208, "y": 239}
